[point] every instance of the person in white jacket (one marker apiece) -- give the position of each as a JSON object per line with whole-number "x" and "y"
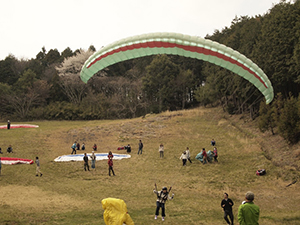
{"x": 188, "y": 154}
{"x": 161, "y": 151}
{"x": 184, "y": 158}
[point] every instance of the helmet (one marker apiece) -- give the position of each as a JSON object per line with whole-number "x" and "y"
{"x": 164, "y": 188}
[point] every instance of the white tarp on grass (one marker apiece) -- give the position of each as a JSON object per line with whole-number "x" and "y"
{"x": 99, "y": 156}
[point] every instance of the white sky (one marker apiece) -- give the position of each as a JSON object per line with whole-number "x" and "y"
{"x": 28, "y": 25}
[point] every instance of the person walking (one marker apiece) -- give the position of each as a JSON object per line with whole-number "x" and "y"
{"x": 140, "y": 147}
{"x": 248, "y": 213}
{"x": 86, "y": 162}
{"x": 162, "y": 197}
{"x": 161, "y": 151}
{"x": 183, "y": 157}
{"x": 227, "y": 204}
{"x": 73, "y": 148}
{"x": 38, "y": 169}
{"x": 93, "y": 157}
{"x": 188, "y": 154}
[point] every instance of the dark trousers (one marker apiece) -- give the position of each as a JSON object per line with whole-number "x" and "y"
{"x": 190, "y": 160}
{"x": 86, "y": 165}
{"x": 228, "y": 213}
{"x": 112, "y": 170}
{"x": 216, "y": 158}
{"x": 73, "y": 150}
{"x": 184, "y": 162}
{"x": 161, "y": 154}
{"x": 140, "y": 149}
{"x": 162, "y": 206}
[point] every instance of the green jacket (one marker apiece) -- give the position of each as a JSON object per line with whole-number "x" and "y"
{"x": 248, "y": 214}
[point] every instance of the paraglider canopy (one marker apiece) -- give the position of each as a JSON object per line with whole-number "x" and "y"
{"x": 183, "y": 45}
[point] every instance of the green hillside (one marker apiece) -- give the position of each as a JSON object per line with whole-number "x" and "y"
{"x": 66, "y": 194}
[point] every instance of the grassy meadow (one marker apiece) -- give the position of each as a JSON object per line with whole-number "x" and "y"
{"x": 66, "y": 194}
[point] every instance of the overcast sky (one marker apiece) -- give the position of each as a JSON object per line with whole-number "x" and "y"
{"x": 28, "y": 25}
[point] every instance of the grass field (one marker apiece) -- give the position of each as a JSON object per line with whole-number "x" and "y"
{"x": 66, "y": 194}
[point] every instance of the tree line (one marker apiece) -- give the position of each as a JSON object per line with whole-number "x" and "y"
{"x": 48, "y": 86}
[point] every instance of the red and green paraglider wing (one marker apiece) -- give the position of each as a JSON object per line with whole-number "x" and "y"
{"x": 183, "y": 45}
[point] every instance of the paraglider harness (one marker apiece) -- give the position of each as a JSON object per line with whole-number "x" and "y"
{"x": 159, "y": 195}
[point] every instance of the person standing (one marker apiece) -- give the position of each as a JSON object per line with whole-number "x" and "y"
{"x": 86, "y": 162}
{"x": 93, "y": 157}
{"x": 227, "y": 204}
{"x": 188, "y": 154}
{"x": 140, "y": 147}
{"x": 38, "y": 169}
{"x": 74, "y": 148}
{"x": 183, "y": 157}
{"x": 161, "y": 151}
{"x": 248, "y": 212}
{"x": 8, "y": 124}
{"x": 162, "y": 197}
{"x": 110, "y": 166}
{"x": 215, "y": 154}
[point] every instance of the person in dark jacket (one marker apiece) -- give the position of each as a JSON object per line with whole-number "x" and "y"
{"x": 227, "y": 204}
{"x": 86, "y": 162}
{"x": 8, "y": 124}
{"x": 9, "y": 149}
{"x": 140, "y": 147}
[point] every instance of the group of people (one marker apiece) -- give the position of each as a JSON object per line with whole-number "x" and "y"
{"x": 9, "y": 150}
{"x": 76, "y": 147}
{"x": 248, "y": 212}
{"x": 110, "y": 163}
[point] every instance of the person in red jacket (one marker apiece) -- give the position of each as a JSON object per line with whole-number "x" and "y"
{"x": 204, "y": 154}
{"x": 110, "y": 167}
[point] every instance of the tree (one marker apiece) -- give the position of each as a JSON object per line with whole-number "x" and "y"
{"x": 266, "y": 120}
{"x": 159, "y": 83}
{"x": 69, "y": 72}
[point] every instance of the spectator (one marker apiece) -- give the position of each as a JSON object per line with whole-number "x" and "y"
{"x": 215, "y": 154}
{"x": 161, "y": 151}
{"x": 227, "y": 204}
{"x": 8, "y": 124}
{"x": 78, "y": 146}
{"x": 248, "y": 212}
{"x": 213, "y": 142}
{"x": 140, "y": 147}
{"x": 38, "y": 170}
{"x": 128, "y": 148}
{"x": 83, "y": 146}
{"x": 183, "y": 157}
{"x": 95, "y": 147}
{"x": 86, "y": 162}
{"x": 74, "y": 148}
{"x": 9, "y": 149}
{"x": 93, "y": 157}
{"x": 188, "y": 154}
